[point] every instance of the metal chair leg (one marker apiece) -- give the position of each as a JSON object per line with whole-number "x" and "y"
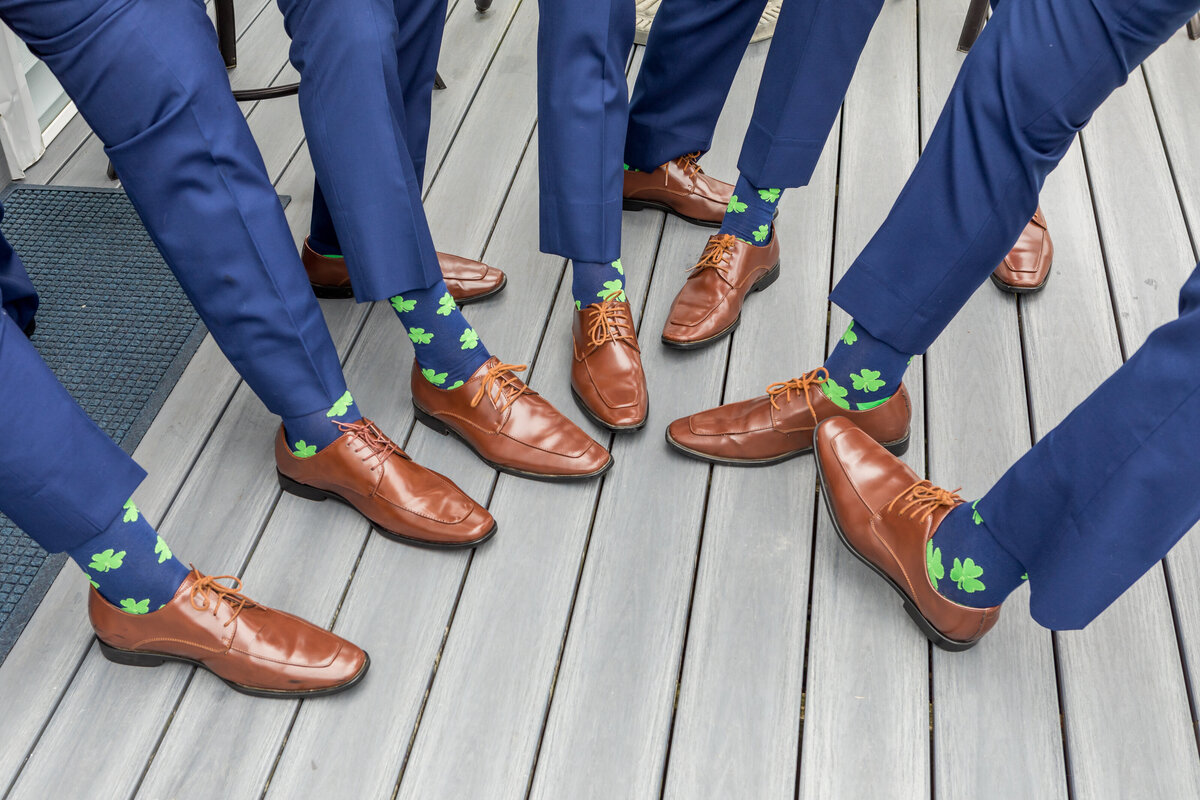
{"x": 226, "y": 32}
{"x": 1193, "y": 27}
{"x": 482, "y": 5}
{"x": 972, "y": 25}
{"x": 438, "y": 83}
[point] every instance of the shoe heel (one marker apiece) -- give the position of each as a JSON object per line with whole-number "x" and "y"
{"x": 299, "y": 489}
{"x": 767, "y": 279}
{"x": 129, "y": 658}
{"x": 425, "y": 418}
{"x": 897, "y": 448}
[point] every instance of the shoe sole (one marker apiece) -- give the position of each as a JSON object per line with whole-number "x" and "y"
{"x": 1010, "y": 289}
{"x": 313, "y": 493}
{"x": 594, "y": 418}
{"x": 651, "y": 205}
{"x": 896, "y": 448}
{"x": 427, "y": 419}
{"x": 344, "y": 292}
{"x": 931, "y": 633}
{"x": 766, "y": 280}
{"x": 133, "y": 658}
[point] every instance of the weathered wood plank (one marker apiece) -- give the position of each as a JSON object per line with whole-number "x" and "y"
{"x": 996, "y": 705}
{"x": 609, "y": 722}
{"x": 868, "y": 667}
{"x": 737, "y": 727}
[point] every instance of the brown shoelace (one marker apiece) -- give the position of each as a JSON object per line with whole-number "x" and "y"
{"x": 611, "y": 322}
{"x": 923, "y": 499}
{"x": 715, "y": 253}
{"x": 690, "y": 163}
{"x": 377, "y": 444}
{"x": 207, "y": 585}
{"x": 800, "y": 386}
{"x": 509, "y": 386}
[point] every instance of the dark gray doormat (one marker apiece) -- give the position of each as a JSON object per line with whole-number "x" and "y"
{"x": 115, "y": 327}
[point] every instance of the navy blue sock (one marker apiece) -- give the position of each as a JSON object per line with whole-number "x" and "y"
{"x": 751, "y": 212}
{"x": 314, "y": 432}
{"x": 593, "y": 282}
{"x": 981, "y": 572}
{"x": 130, "y": 565}
{"x": 448, "y": 349}
{"x": 321, "y": 236}
{"x": 863, "y": 371}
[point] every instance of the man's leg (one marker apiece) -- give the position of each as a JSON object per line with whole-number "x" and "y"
{"x": 582, "y": 116}
{"x": 1084, "y": 513}
{"x": 691, "y": 58}
{"x": 812, "y": 59}
{"x": 355, "y": 117}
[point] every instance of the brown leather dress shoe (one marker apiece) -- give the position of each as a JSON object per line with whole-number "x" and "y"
{"x": 403, "y": 500}
{"x": 254, "y": 649}
{"x": 467, "y": 281}
{"x": 681, "y": 188}
{"x": 606, "y": 373}
{"x": 1027, "y": 266}
{"x": 709, "y": 305}
{"x": 510, "y": 426}
{"x": 779, "y": 425}
{"x": 885, "y": 514}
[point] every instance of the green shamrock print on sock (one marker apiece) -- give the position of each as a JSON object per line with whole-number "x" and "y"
{"x": 436, "y": 378}
{"x": 609, "y": 288}
{"x": 966, "y": 574}
{"x": 578, "y": 305}
{"x": 770, "y": 195}
{"x": 93, "y": 583}
{"x": 400, "y": 304}
{"x": 762, "y": 233}
{"x": 131, "y": 512}
{"x": 162, "y": 550}
{"x": 978, "y": 520}
{"x": 420, "y": 336}
{"x": 835, "y": 393}
{"x": 867, "y": 381}
{"x": 735, "y": 206}
{"x": 617, "y": 266}
{"x": 446, "y": 305}
{"x": 303, "y": 449}
{"x": 933, "y": 563}
{"x": 849, "y": 337}
{"x": 469, "y": 339}
{"x": 455, "y": 385}
{"x": 103, "y": 562}
{"x": 340, "y": 406}
{"x": 130, "y": 606}
{"x": 1025, "y": 577}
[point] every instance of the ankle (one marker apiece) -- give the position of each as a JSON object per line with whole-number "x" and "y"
{"x": 967, "y": 565}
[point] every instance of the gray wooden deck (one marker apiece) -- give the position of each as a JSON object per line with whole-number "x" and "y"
{"x": 674, "y": 630}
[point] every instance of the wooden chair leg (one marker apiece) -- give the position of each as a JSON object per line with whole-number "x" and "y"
{"x": 226, "y": 32}
{"x": 972, "y": 25}
{"x": 1193, "y": 27}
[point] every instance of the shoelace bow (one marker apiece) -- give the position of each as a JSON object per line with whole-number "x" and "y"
{"x": 611, "y": 322}
{"x": 690, "y": 163}
{"x": 373, "y": 440}
{"x": 923, "y": 499}
{"x": 509, "y": 386}
{"x": 715, "y": 253}
{"x": 800, "y": 386}
{"x": 232, "y": 595}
